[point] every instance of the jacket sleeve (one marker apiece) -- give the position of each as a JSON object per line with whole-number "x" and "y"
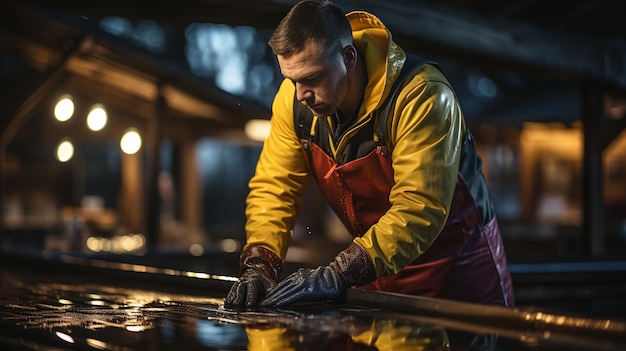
{"x": 277, "y": 187}
{"x": 425, "y": 130}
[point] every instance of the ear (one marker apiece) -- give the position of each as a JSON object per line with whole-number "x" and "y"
{"x": 350, "y": 57}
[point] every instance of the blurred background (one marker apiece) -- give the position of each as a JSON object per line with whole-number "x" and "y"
{"x": 129, "y": 131}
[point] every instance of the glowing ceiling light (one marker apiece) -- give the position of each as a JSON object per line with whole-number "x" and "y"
{"x": 97, "y": 118}
{"x": 131, "y": 141}
{"x": 64, "y": 109}
{"x": 229, "y": 245}
{"x": 65, "y": 150}
{"x": 257, "y": 129}
{"x": 196, "y": 249}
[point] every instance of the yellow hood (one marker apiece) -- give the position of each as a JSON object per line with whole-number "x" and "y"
{"x": 373, "y": 40}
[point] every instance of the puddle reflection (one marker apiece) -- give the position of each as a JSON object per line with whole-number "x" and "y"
{"x": 81, "y": 310}
{"x": 38, "y": 315}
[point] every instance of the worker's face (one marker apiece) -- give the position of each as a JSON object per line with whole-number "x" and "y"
{"x": 320, "y": 78}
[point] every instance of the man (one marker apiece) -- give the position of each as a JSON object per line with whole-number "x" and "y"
{"x": 395, "y": 162}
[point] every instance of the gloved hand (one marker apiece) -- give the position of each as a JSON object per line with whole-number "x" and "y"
{"x": 352, "y": 267}
{"x": 260, "y": 270}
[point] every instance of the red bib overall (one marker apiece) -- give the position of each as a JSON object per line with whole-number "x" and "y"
{"x": 466, "y": 262}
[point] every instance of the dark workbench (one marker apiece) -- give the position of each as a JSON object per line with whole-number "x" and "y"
{"x": 79, "y": 303}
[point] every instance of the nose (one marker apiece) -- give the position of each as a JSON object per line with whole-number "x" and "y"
{"x": 304, "y": 95}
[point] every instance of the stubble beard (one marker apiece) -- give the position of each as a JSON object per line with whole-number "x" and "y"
{"x": 327, "y": 109}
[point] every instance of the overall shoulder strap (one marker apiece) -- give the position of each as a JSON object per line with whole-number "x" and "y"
{"x": 303, "y": 118}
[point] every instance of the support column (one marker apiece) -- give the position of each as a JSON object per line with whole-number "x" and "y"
{"x": 594, "y": 234}
{"x": 190, "y": 186}
{"x": 130, "y": 205}
{"x": 154, "y": 135}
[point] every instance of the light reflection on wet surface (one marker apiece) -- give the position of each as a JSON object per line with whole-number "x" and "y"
{"x": 61, "y": 309}
{"x": 85, "y": 316}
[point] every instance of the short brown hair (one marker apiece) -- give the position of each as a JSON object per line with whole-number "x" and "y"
{"x": 318, "y": 20}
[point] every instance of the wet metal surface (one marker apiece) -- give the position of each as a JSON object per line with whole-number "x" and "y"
{"x": 90, "y": 305}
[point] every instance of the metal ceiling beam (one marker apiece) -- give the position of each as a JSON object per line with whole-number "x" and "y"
{"x": 424, "y": 27}
{"x": 421, "y": 27}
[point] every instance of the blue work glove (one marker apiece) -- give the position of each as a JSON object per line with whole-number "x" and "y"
{"x": 352, "y": 267}
{"x": 260, "y": 270}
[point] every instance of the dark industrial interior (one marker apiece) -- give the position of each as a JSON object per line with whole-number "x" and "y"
{"x": 542, "y": 85}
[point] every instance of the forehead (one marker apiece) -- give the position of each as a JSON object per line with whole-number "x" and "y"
{"x": 306, "y": 62}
